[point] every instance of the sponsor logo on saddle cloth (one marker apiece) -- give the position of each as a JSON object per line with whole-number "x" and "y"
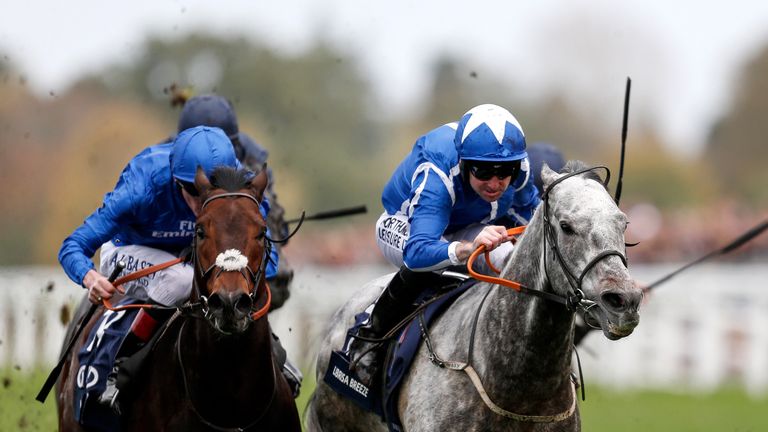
{"x": 342, "y": 379}
{"x": 96, "y": 359}
{"x": 402, "y": 350}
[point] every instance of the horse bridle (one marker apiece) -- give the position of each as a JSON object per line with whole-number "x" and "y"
{"x": 247, "y": 272}
{"x": 575, "y": 297}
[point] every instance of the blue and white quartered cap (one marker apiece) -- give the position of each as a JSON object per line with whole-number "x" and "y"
{"x": 490, "y": 133}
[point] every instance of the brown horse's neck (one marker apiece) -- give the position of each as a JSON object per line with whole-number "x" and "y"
{"x": 229, "y": 374}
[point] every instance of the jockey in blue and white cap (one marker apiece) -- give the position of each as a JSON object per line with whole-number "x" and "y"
{"x": 458, "y": 179}
{"x": 460, "y": 187}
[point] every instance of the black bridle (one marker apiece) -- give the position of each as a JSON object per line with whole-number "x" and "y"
{"x": 253, "y": 277}
{"x": 575, "y": 297}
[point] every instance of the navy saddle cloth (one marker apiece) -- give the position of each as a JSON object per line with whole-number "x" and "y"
{"x": 401, "y": 352}
{"x": 96, "y": 359}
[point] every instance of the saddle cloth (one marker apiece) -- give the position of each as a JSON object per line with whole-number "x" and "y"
{"x": 401, "y": 351}
{"x": 96, "y": 359}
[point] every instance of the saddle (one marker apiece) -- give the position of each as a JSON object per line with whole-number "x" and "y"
{"x": 347, "y": 372}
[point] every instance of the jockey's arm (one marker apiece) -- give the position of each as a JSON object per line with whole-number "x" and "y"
{"x": 425, "y": 248}
{"x": 491, "y": 237}
{"x": 78, "y": 248}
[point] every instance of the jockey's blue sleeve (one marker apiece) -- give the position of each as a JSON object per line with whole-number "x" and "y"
{"x": 431, "y": 211}
{"x": 77, "y": 249}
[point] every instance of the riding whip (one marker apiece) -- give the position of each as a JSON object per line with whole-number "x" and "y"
{"x": 623, "y": 141}
{"x": 747, "y": 236}
{"x": 333, "y": 214}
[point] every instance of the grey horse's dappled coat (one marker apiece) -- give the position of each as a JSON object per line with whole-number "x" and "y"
{"x": 523, "y": 344}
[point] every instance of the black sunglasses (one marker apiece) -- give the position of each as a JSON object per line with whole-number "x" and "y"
{"x": 187, "y": 186}
{"x": 487, "y": 170}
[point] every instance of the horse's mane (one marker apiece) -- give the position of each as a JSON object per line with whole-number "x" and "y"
{"x": 576, "y": 165}
{"x": 230, "y": 179}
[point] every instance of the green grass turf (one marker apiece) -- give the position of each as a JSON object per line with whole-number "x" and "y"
{"x": 604, "y": 410}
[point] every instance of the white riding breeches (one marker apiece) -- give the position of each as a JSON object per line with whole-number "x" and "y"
{"x": 392, "y": 233}
{"x": 168, "y": 287}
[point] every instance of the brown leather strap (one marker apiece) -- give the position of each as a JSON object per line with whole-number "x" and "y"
{"x": 143, "y": 272}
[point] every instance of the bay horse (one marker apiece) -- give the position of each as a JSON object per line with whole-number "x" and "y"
{"x": 501, "y": 359}
{"x": 212, "y": 367}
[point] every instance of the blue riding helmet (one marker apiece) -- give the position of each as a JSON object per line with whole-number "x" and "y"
{"x": 490, "y": 133}
{"x": 204, "y": 146}
{"x": 538, "y": 154}
{"x": 209, "y": 110}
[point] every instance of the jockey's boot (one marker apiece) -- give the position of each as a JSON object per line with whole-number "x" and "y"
{"x": 291, "y": 373}
{"x": 397, "y": 300}
{"x": 393, "y": 305}
{"x": 126, "y": 366}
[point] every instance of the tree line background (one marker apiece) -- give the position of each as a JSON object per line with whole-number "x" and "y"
{"x": 330, "y": 146}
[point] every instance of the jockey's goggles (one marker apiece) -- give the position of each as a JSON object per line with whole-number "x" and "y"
{"x": 187, "y": 186}
{"x": 485, "y": 171}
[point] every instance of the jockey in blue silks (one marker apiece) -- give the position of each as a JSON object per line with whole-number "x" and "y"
{"x": 462, "y": 186}
{"x": 152, "y": 207}
{"x": 215, "y": 110}
{"x": 149, "y": 218}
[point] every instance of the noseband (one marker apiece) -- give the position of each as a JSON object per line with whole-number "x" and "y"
{"x": 233, "y": 260}
{"x": 576, "y": 295}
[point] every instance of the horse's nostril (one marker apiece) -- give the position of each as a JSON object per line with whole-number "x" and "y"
{"x": 243, "y": 303}
{"x": 215, "y": 301}
{"x": 615, "y": 301}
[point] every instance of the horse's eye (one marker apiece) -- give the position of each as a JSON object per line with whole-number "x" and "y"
{"x": 261, "y": 234}
{"x": 200, "y": 233}
{"x": 567, "y": 228}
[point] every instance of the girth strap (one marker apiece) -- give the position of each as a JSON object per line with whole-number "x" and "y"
{"x": 514, "y": 416}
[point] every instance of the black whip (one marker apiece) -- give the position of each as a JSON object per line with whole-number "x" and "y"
{"x": 623, "y": 141}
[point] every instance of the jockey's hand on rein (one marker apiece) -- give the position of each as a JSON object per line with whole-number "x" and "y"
{"x": 491, "y": 237}
{"x": 98, "y": 286}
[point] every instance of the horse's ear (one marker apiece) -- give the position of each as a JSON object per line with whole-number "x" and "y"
{"x": 547, "y": 175}
{"x": 259, "y": 182}
{"x": 202, "y": 184}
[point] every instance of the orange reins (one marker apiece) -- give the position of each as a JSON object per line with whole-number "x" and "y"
{"x": 137, "y": 275}
{"x": 155, "y": 268}
{"x": 495, "y": 280}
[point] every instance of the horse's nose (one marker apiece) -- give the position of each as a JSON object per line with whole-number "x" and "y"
{"x": 237, "y": 303}
{"x": 621, "y": 301}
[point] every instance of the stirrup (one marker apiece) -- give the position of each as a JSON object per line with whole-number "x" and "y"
{"x": 294, "y": 377}
{"x": 109, "y": 397}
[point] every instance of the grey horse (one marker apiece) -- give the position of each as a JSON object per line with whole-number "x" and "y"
{"x": 517, "y": 375}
